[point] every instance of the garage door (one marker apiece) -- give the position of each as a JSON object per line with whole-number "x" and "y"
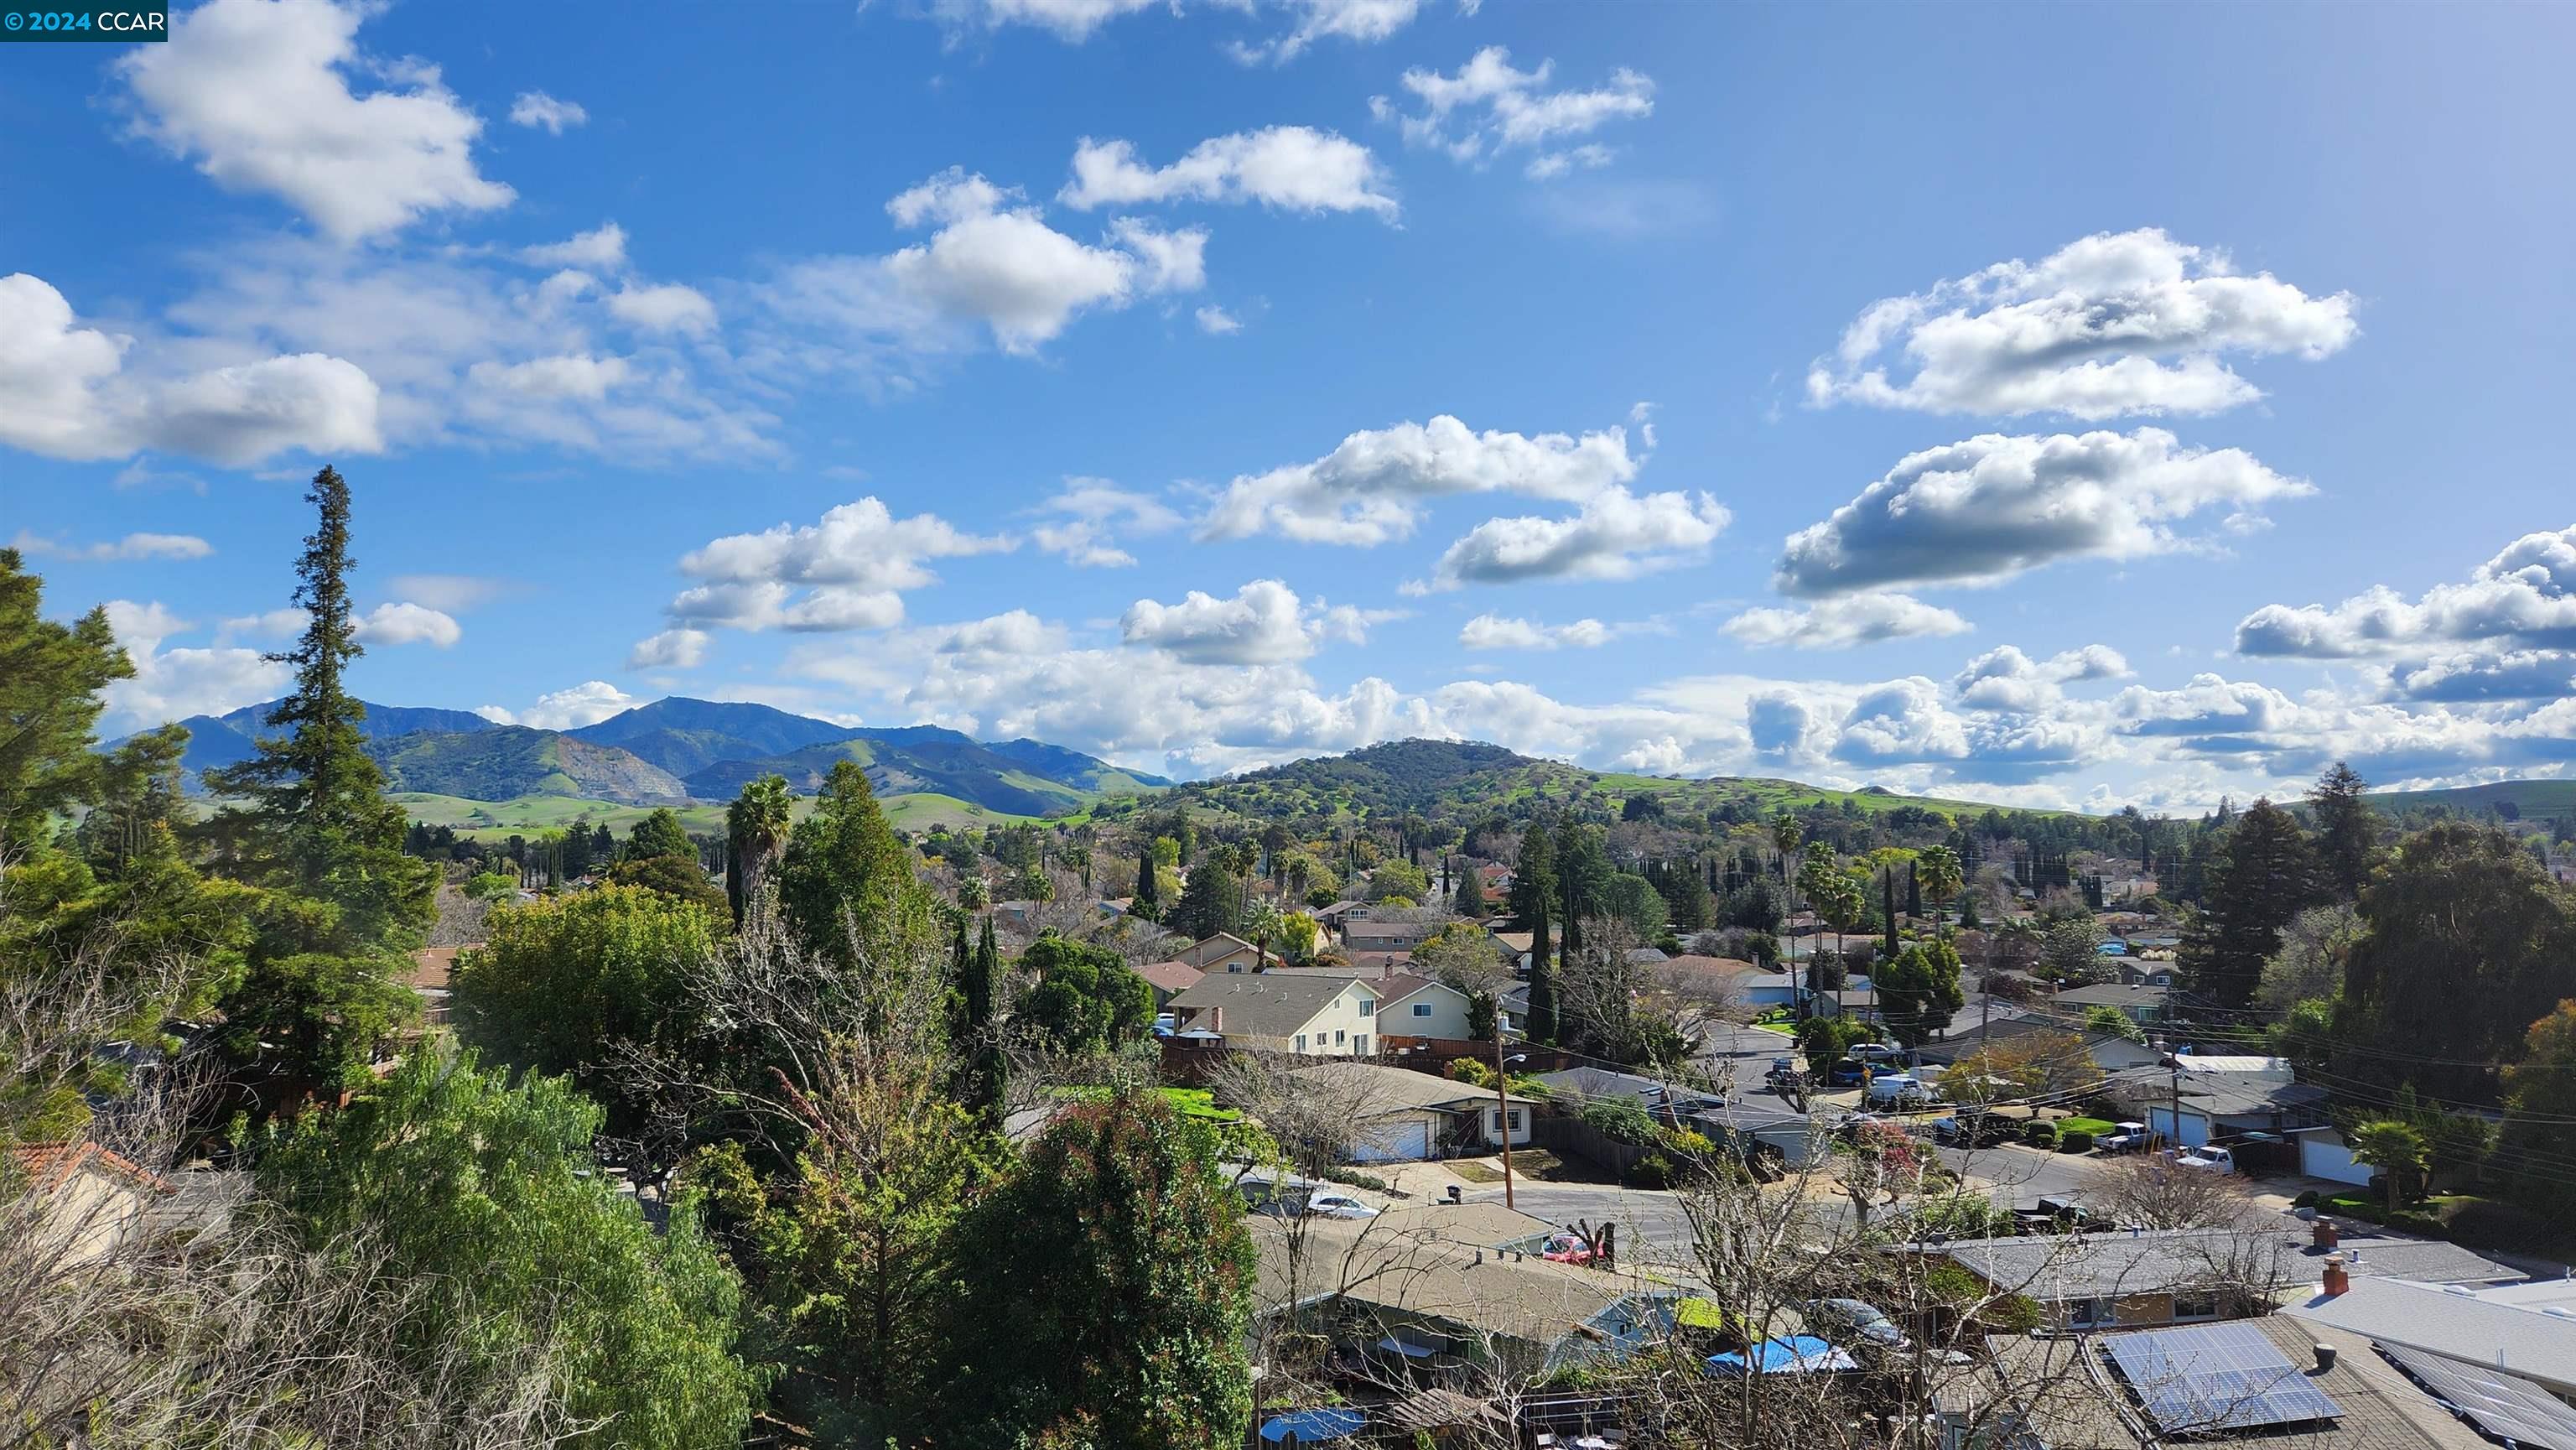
{"x": 1404, "y": 1140}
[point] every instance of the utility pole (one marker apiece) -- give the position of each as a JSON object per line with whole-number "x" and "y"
{"x": 2173, "y": 1065}
{"x": 1503, "y": 1107}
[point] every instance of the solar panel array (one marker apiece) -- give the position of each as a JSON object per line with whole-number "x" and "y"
{"x": 2506, "y": 1406}
{"x": 2217, "y": 1377}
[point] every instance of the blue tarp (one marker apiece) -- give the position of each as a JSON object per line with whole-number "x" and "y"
{"x": 1313, "y": 1426}
{"x": 1798, "y": 1354}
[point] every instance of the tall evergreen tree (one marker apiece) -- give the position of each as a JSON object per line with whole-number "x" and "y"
{"x": 324, "y": 981}
{"x": 1887, "y": 899}
{"x": 2261, "y": 876}
{"x": 1534, "y": 881}
{"x": 1149, "y": 892}
{"x": 2347, "y": 830}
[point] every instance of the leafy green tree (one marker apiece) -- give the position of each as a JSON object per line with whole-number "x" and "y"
{"x": 557, "y": 982}
{"x": 2347, "y": 830}
{"x": 1131, "y": 1336}
{"x": 1085, "y": 999}
{"x": 2398, "y": 1150}
{"x": 679, "y": 877}
{"x": 1918, "y": 990}
{"x": 1634, "y": 900}
{"x": 847, "y": 892}
{"x": 2112, "y": 1022}
{"x": 1399, "y": 878}
{"x": 2262, "y": 875}
{"x": 660, "y": 834}
{"x": 479, "y": 1195}
{"x": 2070, "y": 948}
{"x": 492, "y": 886}
{"x": 1211, "y": 902}
{"x": 2540, "y": 1111}
{"x": 2468, "y": 936}
{"x": 755, "y": 829}
{"x": 323, "y": 985}
{"x": 1533, "y": 899}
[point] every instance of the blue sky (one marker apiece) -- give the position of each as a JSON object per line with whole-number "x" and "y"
{"x": 2068, "y": 405}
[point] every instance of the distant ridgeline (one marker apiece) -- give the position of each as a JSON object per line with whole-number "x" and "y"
{"x": 676, "y": 750}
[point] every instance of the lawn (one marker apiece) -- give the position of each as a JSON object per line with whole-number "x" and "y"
{"x": 2095, "y": 1126}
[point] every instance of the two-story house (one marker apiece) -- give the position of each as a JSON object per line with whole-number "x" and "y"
{"x": 1309, "y": 1015}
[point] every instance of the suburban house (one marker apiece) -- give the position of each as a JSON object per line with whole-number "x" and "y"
{"x": 430, "y": 977}
{"x": 2219, "y": 1098}
{"x": 1169, "y": 980}
{"x": 2111, "y": 1054}
{"x": 1415, "y": 1007}
{"x": 2139, "y": 1003}
{"x": 2135, "y": 973}
{"x": 1405, "y": 1116}
{"x": 1318, "y": 1016}
{"x": 2504, "y": 1354}
{"x": 1516, "y": 947}
{"x": 1764, "y": 990}
{"x": 2135, "y": 1390}
{"x": 2145, "y": 1278}
{"x": 1364, "y": 933}
{"x": 1441, "y": 1290}
{"x": 1749, "y": 1120}
{"x": 1224, "y": 952}
{"x": 94, "y": 1199}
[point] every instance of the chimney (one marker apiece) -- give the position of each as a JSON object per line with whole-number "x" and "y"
{"x": 2323, "y": 1233}
{"x": 1216, "y": 1019}
{"x": 2325, "y": 1357}
{"x": 2337, "y": 1281}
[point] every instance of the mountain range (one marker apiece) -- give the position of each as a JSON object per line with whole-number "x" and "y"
{"x": 676, "y": 751}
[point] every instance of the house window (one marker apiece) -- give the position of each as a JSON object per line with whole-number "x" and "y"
{"x": 1359, "y": 1044}
{"x": 2092, "y": 1313}
{"x": 1337, "y": 1037}
{"x": 1421, "y": 1009}
{"x": 2194, "y": 1306}
{"x": 1301, "y": 1042}
{"x": 1367, "y": 1007}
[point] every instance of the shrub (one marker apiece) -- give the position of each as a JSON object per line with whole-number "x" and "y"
{"x": 2040, "y": 1134}
{"x": 1469, "y": 1071}
{"x": 1357, "y": 1179}
{"x": 1687, "y": 1143}
{"x": 2414, "y": 1221}
{"x": 1620, "y": 1120}
{"x": 1652, "y": 1171}
{"x": 2076, "y": 1141}
{"x": 2307, "y": 1199}
{"x": 493, "y": 886}
{"x": 2485, "y": 1223}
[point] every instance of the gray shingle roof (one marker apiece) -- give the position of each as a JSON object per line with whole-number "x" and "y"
{"x": 2054, "y": 1267}
{"x": 1260, "y": 1004}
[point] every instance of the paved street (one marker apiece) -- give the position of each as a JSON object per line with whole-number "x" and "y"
{"x": 2028, "y": 1174}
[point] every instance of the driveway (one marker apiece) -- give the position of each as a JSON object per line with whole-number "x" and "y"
{"x": 1652, "y": 1226}
{"x": 2028, "y": 1174}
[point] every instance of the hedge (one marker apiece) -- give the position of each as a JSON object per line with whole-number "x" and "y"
{"x": 2075, "y": 1141}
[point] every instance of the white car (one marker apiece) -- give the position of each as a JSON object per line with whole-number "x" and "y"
{"x": 1898, "y": 1088}
{"x": 1327, "y": 1203}
{"x": 2206, "y": 1160}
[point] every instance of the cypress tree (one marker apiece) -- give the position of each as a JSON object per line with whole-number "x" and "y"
{"x": 1149, "y": 895}
{"x": 1887, "y": 899}
{"x": 1541, "y": 1026}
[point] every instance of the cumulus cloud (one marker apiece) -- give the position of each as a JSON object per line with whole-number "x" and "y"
{"x": 1361, "y": 21}
{"x": 132, "y": 546}
{"x": 1496, "y": 632}
{"x": 1993, "y": 506}
{"x": 1089, "y": 514}
{"x": 602, "y": 249}
{"x": 65, "y": 392}
{"x": 1291, "y": 168}
{"x": 541, "y": 112}
{"x": 2007, "y": 679}
{"x": 844, "y": 572}
{"x": 1215, "y": 321}
{"x": 1263, "y": 623}
{"x": 2525, "y": 595}
{"x": 664, "y": 307}
{"x": 171, "y": 684}
{"x": 1490, "y": 107}
{"x": 256, "y": 92}
{"x": 1616, "y": 536}
{"x": 2133, "y": 322}
{"x": 1853, "y": 619}
{"x": 2469, "y": 676}
{"x": 996, "y": 262}
{"x": 1371, "y": 489}
{"x": 2210, "y": 705}
{"x": 673, "y": 649}
{"x": 587, "y": 703}
{"x": 403, "y": 622}
{"x": 453, "y": 593}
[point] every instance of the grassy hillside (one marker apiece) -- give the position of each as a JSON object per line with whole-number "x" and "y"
{"x": 1461, "y": 779}
{"x": 2525, "y": 799}
{"x": 909, "y": 763}
{"x": 508, "y": 762}
{"x": 535, "y": 815}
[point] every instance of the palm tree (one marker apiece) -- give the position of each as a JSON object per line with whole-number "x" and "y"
{"x": 1937, "y": 869}
{"x": 973, "y": 893}
{"x": 2397, "y": 1149}
{"x": 755, "y": 829}
{"x": 1260, "y": 922}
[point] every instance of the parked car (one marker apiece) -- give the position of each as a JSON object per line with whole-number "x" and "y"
{"x": 2131, "y": 1138}
{"x": 1898, "y": 1088}
{"x": 1331, "y": 1203}
{"x": 1878, "y": 1052}
{"x": 1973, "y": 1130}
{"x": 1271, "y": 1200}
{"x": 1165, "y": 1024}
{"x": 2205, "y": 1159}
{"x": 1853, "y": 1319}
{"x": 1563, "y": 1248}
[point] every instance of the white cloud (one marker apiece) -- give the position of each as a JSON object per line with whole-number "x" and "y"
{"x": 1548, "y": 166}
{"x": 65, "y": 393}
{"x": 1011, "y": 271}
{"x": 1616, "y": 536}
{"x": 453, "y": 593}
{"x": 274, "y": 624}
{"x": 1497, "y": 632}
{"x": 1490, "y": 107}
{"x": 1993, "y": 506}
{"x": 1074, "y": 21}
{"x": 257, "y": 94}
{"x": 1371, "y": 489}
{"x": 587, "y": 703}
{"x": 1264, "y": 623}
{"x": 406, "y": 623}
{"x": 850, "y": 567}
{"x": 675, "y": 649}
{"x": 2133, "y": 322}
{"x": 1090, "y": 513}
{"x": 1071, "y": 20}
{"x": 2524, "y": 595}
{"x": 2008, "y": 680}
{"x": 1855, "y": 619}
{"x": 132, "y": 546}
{"x": 1171, "y": 261}
{"x": 171, "y": 684}
{"x": 602, "y": 248}
{"x": 1292, "y": 168}
{"x": 666, "y": 307}
{"x": 539, "y": 111}
{"x": 1215, "y": 321}
{"x": 1363, "y": 21}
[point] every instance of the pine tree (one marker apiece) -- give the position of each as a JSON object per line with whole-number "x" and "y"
{"x": 1541, "y": 1026}
{"x": 2347, "y": 830}
{"x": 1148, "y": 902}
{"x": 323, "y": 983}
{"x": 2261, "y": 875}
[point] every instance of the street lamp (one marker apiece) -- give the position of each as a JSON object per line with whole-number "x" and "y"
{"x": 1503, "y": 1104}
